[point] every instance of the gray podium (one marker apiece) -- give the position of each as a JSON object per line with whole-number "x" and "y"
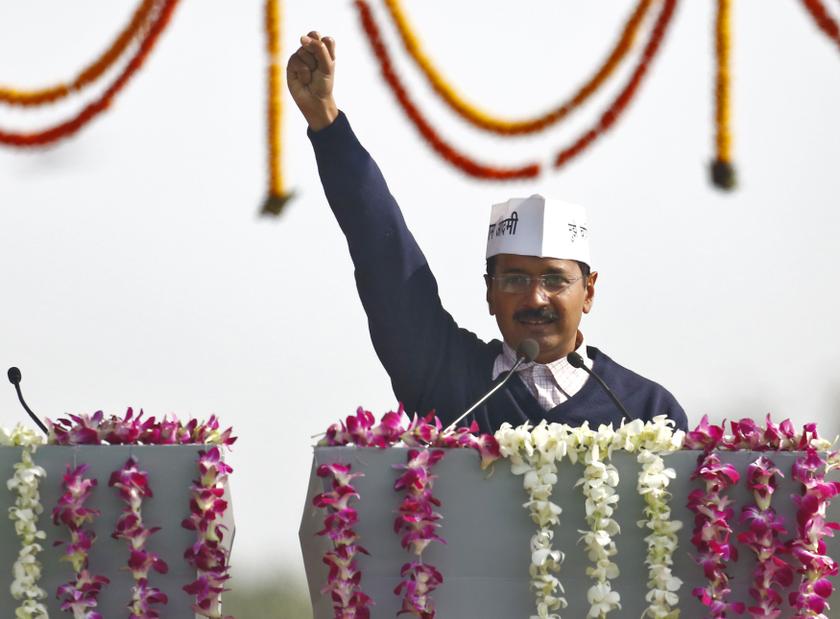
{"x": 171, "y": 471}
{"x": 486, "y": 558}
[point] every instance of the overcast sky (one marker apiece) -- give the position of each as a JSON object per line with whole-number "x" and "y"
{"x": 135, "y": 271}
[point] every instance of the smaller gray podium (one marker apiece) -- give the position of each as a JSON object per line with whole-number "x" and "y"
{"x": 486, "y": 558}
{"x": 171, "y": 471}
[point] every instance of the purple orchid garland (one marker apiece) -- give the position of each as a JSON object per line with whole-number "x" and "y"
{"x": 349, "y": 601}
{"x": 207, "y": 555}
{"x": 80, "y": 594}
{"x": 133, "y": 486}
{"x": 762, "y": 538}
{"x": 417, "y": 518}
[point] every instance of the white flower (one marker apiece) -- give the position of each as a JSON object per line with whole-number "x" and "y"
{"x": 602, "y": 600}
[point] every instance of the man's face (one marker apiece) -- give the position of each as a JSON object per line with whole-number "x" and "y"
{"x": 551, "y": 320}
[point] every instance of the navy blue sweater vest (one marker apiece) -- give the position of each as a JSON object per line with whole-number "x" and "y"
{"x": 434, "y": 364}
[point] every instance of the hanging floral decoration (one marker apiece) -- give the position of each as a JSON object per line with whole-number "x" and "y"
{"x": 823, "y": 19}
{"x": 145, "y": 28}
{"x": 27, "y": 508}
{"x": 133, "y": 487}
{"x": 487, "y": 121}
{"x": 455, "y": 157}
{"x": 815, "y": 566}
{"x": 207, "y": 555}
{"x": 79, "y": 595}
{"x": 723, "y": 170}
{"x": 763, "y": 539}
{"x": 344, "y": 577}
{"x": 277, "y": 193}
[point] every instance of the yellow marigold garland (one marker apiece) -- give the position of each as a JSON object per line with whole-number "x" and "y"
{"x": 41, "y": 96}
{"x": 723, "y": 170}
{"x": 485, "y": 120}
{"x": 277, "y": 194}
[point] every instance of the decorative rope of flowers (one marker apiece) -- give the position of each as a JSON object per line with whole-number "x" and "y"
{"x": 207, "y": 555}
{"x": 823, "y": 19}
{"x": 535, "y": 454}
{"x": 763, "y": 539}
{"x": 442, "y": 147}
{"x": 50, "y": 94}
{"x": 80, "y": 594}
{"x": 810, "y": 600}
{"x": 489, "y": 122}
{"x": 25, "y": 513}
{"x": 277, "y": 194}
{"x": 162, "y": 14}
{"x": 416, "y": 519}
{"x": 133, "y": 487}
{"x": 349, "y": 601}
{"x": 723, "y": 170}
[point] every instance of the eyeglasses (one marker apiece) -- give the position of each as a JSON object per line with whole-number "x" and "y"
{"x": 519, "y": 283}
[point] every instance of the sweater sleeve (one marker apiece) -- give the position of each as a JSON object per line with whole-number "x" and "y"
{"x": 416, "y": 340}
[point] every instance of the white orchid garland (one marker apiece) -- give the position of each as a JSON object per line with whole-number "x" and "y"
{"x": 536, "y": 452}
{"x": 24, "y": 513}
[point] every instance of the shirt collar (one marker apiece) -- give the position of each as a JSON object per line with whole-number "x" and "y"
{"x": 507, "y": 358}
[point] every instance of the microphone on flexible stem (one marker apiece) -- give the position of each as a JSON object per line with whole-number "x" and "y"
{"x": 15, "y": 378}
{"x": 576, "y": 361}
{"x": 526, "y": 352}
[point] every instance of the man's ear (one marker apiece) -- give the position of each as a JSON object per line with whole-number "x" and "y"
{"x": 589, "y": 299}
{"x": 488, "y": 281}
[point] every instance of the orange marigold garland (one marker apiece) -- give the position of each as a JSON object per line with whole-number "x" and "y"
{"x": 620, "y": 103}
{"x": 70, "y": 127}
{"x": 723, "y": 170}
{"x": 824, "y": 19}
{"x": 277, "y": 195}
{"x": 494, "y": 124}
{"x": 91, "y": 73}
{"x": 453, "y": 156}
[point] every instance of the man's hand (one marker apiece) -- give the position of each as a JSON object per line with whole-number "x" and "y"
{"x": 310, "y": 75}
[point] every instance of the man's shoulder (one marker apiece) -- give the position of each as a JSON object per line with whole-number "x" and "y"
{"x": 619, "y": 377}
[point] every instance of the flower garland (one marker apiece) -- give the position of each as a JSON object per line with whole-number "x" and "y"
{"x": 762, "y": 538}
{"x": 823, "y": 19}
{"x": 535, "y": 455}
{"x": 67, "y": 128}
{"x": 449, "y": 153}
{"x": 420, "y": 523}
{"x": 619, "y": 104}
{"x": 343, "y": 580}
{"x": 723, "y": 171}
{"x": 484, "y": 120}
{"x": 133, "y": 486}
{"x": 80, "y": 594}
{"x": 207, "y": 555}
{"x": 89, "y": 74}
{"x": 809, "y": 546}
{"x": 27, "y": 508}
{"x": 277, "y": 194}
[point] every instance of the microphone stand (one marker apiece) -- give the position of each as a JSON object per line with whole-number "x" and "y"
{"x": 15, "y": 378}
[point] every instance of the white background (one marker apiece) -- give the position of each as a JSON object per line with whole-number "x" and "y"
{"x": 134, "y": 269}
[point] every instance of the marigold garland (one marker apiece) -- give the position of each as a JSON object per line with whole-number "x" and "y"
{"x": 88, "y": 75}
{"x": 453, "y": 156}
{"x": 723, "y": 171}
{"x": 495, "y": 124}
{"x": 823, "y": 19}
{"x": 617, "y": 107}
{"x": 92, "y": 110}
{"x": 277, "y": 194}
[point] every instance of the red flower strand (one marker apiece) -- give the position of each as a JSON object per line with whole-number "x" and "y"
{"x": 823, "y": 18}
{"x": 133, "y": 487}
{"x": 89, "y": 112}
{"x": 618, "y": 106}
{"x": 453, "y": 156}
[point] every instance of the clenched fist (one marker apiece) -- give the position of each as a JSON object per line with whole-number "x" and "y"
{"x": 310, "y": 75}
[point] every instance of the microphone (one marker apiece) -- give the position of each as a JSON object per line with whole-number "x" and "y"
{"x": 576, "y": 361}
{"x": 15, "y": 378}
{"x": 526, "y": 352}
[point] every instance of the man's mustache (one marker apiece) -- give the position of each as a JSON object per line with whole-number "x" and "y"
{"x": 529, "y": 315}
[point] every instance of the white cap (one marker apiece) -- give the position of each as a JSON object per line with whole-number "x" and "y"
{"x": 539, "y": 227}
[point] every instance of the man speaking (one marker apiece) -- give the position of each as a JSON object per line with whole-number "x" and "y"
{"x": 539, "y": 285}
